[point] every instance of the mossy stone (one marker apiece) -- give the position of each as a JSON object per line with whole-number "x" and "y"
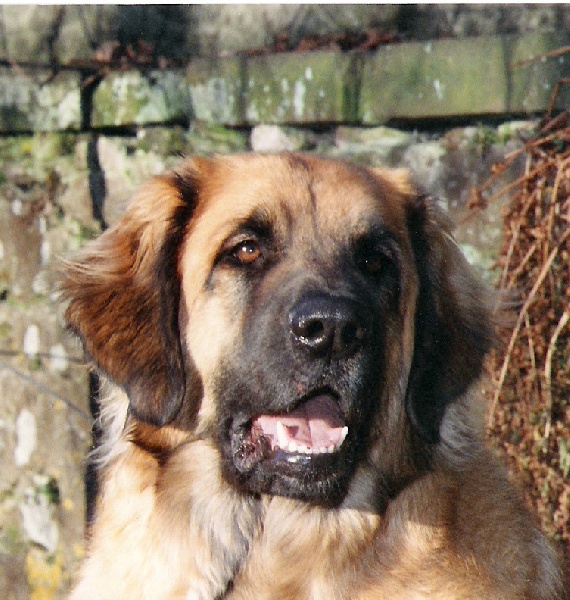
{"x": 317, "y": 87}
{"x": 434, "y": 79}
{"x": 38, "y": 101}
{"x": 216, "y": 90}
{"x": 535, "y": 73}
{"x": 136, "y": 98}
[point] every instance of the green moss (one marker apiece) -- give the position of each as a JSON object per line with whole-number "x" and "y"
{"x": 320, "y": 87}
{"x": 15, "y": 148}
{"x": 79, "y": 232}
{"x": 165, "y": 141}
{"x": 217, "y": 89}
{"x": 5, "y": 331}
{"x": 438, "y": 79}
{"x": 11, "y": 540}
{"x": 212, "y": 139}
{"x": 133, "y": 98}
{"x": 50, "y": 489}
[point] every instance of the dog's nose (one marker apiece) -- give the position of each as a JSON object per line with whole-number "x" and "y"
{"x": 328, "y": 325}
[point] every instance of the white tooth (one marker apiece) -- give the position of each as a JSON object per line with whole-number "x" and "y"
{"x": 330, "y": 449}
{"x": 281, "y": 433}
{"x": 343, "y": 434}
{"x": 304, "y": 449}
{"x": 292, "y": 447}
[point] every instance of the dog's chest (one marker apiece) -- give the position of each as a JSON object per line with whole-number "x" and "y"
{"x": 305, "y": 553}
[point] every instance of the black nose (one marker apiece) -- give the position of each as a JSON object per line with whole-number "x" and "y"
{"x": 328, "y": 325}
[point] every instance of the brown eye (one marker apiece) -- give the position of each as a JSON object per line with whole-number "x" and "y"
{"x": 373, "y": 264}
{"x": 246, "y": 252}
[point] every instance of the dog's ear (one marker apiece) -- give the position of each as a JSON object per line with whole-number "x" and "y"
{"x": 123, "y": 294}
{"x": 453, "y": 327}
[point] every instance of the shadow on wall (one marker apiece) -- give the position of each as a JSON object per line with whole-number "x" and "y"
{"x": 165, "y": 28}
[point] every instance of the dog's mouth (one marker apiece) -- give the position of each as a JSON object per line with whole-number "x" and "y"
{"x": 313, "y": 430}
{"x": 315, "y": 427}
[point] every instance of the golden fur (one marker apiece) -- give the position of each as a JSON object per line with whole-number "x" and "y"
{"x": 164, "y": 308}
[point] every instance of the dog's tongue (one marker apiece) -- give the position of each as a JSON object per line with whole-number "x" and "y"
{"x": 316, "y": 426}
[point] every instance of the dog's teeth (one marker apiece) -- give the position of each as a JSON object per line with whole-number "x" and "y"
{"x": 292, "y": 447}
{"x": 343, "y": 434}
{"x": 281, "y": 433}
{"x": 330, "y": 449}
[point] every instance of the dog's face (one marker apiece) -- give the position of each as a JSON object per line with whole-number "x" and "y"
{"x": 302, "y": 287}
{"x": 292, "y": 310}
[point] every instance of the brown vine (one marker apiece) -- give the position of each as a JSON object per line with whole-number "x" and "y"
{"x": 529, "y": 417}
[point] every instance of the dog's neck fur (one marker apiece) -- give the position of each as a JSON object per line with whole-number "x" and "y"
{"x": 243, "y": 537}
{"x": 247, "y": 537}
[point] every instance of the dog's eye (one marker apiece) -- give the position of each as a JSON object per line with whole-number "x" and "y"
{"x": 246, "y": 252}
{"x": 373, "y": 264}
{"x": 375, "y": 258}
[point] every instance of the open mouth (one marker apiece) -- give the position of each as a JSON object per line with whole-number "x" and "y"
{"x": 314, "y": 428}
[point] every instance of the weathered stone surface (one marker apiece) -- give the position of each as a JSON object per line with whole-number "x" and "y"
{"x": 428, "y": 21}
{"x": 216, "y": 90}
{"x": 44, "y": 422}
{"x": 411, "y": 81}
{"x": 477, "y": 76}
{"x": 450, "y": 167}
{"x": 37, "y": 101}
{"x": 40, "y": 33}
{"x": 42, "y": 497}
{"x": 124, "y": 170}
{"x": 434, "y": 79}
{"x": 312, "y": 87}
{"x": 533, "y": 83}
{"x": 141, "y": 98}
{"x": 238, "y": 27}
{"x": 374, "y": 145}
{"x": 44, "y": 34}
{"x": 272, "y": 138}
{"x": 214, "y": 139}
{"x": 322, "y": 87}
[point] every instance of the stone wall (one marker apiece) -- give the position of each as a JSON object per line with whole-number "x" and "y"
{"x": 76, "y": 141}
{"x": 63, "y": 34}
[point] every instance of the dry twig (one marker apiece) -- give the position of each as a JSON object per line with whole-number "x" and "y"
{"x": 530, "y": 405}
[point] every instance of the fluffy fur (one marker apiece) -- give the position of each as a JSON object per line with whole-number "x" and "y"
{"x": 250, "y": 285}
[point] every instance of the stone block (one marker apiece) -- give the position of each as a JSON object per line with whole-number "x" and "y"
{"x": 434, "y": 79}
{"x": 141, "y": 98}
{"x": 207, "y": 139}
{"x": 275, "y": 138}
{"x": 316, "y": 87}
{"x": 216, "y": 90}
{"x": 39, "y": 34}
{"x": 534, "y": 75}
{"x": 36, "y": 101}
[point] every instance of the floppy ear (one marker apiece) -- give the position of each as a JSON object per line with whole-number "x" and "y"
{"x": 124, "y": 297}
{"x": 453, "y": 328}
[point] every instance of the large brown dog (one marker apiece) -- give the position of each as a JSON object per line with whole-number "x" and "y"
{"x": 291, "y": 346}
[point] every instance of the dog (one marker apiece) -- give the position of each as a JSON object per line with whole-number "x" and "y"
{"x": 291, "y": 348}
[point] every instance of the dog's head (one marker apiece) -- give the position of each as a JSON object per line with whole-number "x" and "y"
{"x": 305, "y": 315}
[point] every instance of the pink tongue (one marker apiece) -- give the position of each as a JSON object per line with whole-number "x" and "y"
{"x": 315, "y": 424}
